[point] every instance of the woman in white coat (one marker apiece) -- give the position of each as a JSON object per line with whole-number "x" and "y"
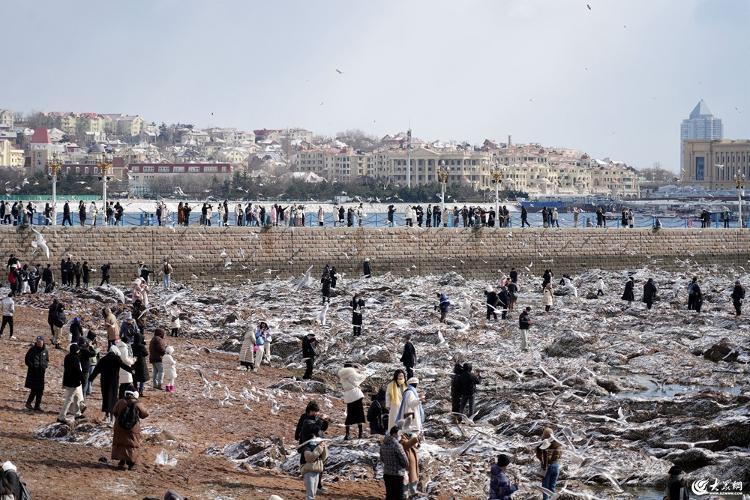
{"x": 351, "y": 377}
{"x": 548, "y": 297}
{"x": 393, "y": 394}
{"x": 126, "y": 377}
{"x": 170, "y": 369}
{"x": 247, "y": 354}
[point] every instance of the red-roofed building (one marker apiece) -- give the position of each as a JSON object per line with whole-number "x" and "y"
{"x": 39, "y": 149}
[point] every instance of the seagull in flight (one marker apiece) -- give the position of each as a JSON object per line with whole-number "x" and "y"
{"x": 689, "y": 444}
{"x": 339, "y": 71}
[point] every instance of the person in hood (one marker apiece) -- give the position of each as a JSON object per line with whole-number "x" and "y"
{"x": 377, "y": 416}
{"x": 76, "y": 330}
{"x": 395, "y": 462}
{"x": 11, "y": 486}
{"x": 629, "y": 294}
{"x": 649, "y": 293}
{"x": 351, "y": 377}
{"x": 500, "y": 486}
{"x": 468, "y": 386}
{"x": 109, "y": 368}
{"x": 410, "y": 413}
{"x": 72, "y": 383}
{"x": 128, "y": 328}
{"x": 409, "y": 357}
{"x": 126, "y": 440}
{"x": 37, "y": 360}
{"x": 738, "y": 294}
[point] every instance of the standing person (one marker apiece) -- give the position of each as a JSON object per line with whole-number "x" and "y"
{"x": 66, "y": 215}
{"x": 309, "y": 426}
{"x": 166, "y": 270}
{"x": 325, "y": 281}
{"x": 409, "y": 357}
{"x": 77, "y": 274}
{"x": 9, "y": 308}
{"x": 357, "y": 305}
{"x": 549, "y": 454}
{"x": 468, "y": 387}
{"x": 85, "y": 273}
{"x": 491, "y": 297}
{"x": 48, "y": 278}
{"x": 738, "y": 294}
{"x": 265, "y": 330}
{"x": 629, "y": 294}
{"x": 500, "y": 486}
{"x": 600, "y": 287}
{"x": 140, "y": 291}
{"x": 391, "y": 213}
{"x": 64, "y": 272}
{"x": 366, "y": 268}
{"x": 126, "y": 376}
{"x": 170, "y": 369}
{"x": 458, "y": 369}
{"x": 548, "y": 297}
{"x": 140, "y": 367}
{"x": 443, "y": 305}
{"x": 503, "y": 300}
{"x": 376, "y": 414}
{"x": 111, "y": 326}
{"x": 127, "y": 430}
{"x": 524, "y": 324}
{"x": 156, "y": 350}
{"x": 247, "y": 350}
{"x": 410, "y": 414}
{"x": 649, "y": 293}
{"x": 395, "y": 462}
{"x": 546, "y": 278}
{"x": 576, "y": 215}
{"x": 109, "y": 367}
{"x": 524, "y": 217}
{"x": 394, "y": 393}
{"x": 695, "y": 297}
{"x": 315, "y": 453}
{"x": 513, "y": 275}
{"x": 309, "y": 342}
{"x": 105, "y": 273}
{"x": 334, "y": 277}
{"x": 258, "y": 348}
{"x": 410, "y": 443}
{"x": 512, "y": 288}
{"x": 37, "y": 360}
{"x": 72, "y": 382}
{"x": 321, "y": 216}
{"x": 351, "y": 377}
{"x": 82, "y": 213}
{"x": 555, "y": 218}
{"x": 76, "y": 330}
{"x": 88, "y": 354}
{"x": 56, "y": 319}
{"x": 677, "y": 486}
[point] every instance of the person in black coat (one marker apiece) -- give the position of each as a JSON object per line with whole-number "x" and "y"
{"x": 649, "y": 293}
{"x": 109, "y": 368}
{"x": 377, "y": 415}
{"x": 76, "y": 330}
{"x": 140, "y": 367}
{"x": 546, "y": 277}
{"x": 737, "y": 295}
{"x": 48, "y": 279}
{"x": 366, "y": 269}
{"x": 492, "y": 300}
{"x": 514, "y": 275}
{"x": 308, "y": 352}
{"x": 357, "y": 305}
{"x": 409, "y": 357}
{"x": 85, "y": 352}
{"x": 695, "y": 296}
{"x": 503, "y": 300}
{"x": 334, "y": 277}
{"x": 456, "y": 389}
{"x": 85, "y": 273}
{"x": 325, "y": 281}
{"x": 37, "y": 360}
{"x": 628, "y": 294}
{"x": 310, "y": 425}
{"x": 56, "y": 319}
{"x": 467, "y": 386}
{"x": 72, "y": 381}
{"x": 105, "y": 273}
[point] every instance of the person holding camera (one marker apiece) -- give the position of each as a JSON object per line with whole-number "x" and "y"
{"x": 311, "y": 425}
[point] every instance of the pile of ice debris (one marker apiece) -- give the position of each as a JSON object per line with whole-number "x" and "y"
{"x": 628, "y": 391}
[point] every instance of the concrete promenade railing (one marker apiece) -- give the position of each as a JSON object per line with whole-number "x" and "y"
{"x": 238, "y": 253}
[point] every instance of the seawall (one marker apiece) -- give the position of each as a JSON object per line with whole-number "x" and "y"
{"x": 195, "y": 252}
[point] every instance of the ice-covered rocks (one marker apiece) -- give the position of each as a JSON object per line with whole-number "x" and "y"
{"x": 570, "y": 344}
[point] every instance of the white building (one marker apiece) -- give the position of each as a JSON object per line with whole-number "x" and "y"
{"x": 701, "y": 125}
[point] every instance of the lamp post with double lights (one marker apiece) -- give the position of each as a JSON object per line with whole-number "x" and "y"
{"x": 105, "y": 167}
{"x": 54, "y": 166}
{"x": 497, "y": 179}
{"x": 443, "y": 178}
{"x": 739, "y": 178}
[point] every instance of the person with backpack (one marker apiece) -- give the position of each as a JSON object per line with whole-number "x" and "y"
{"x": 166, "y": 270}
{"x": 11, "y": 486}
{"x": 37, "y": 360}
{"x": 443, "y": 305}
{"x": 56, "y": 319}
{"x": 127, "y": 430}
{"x": 377, "y": 415}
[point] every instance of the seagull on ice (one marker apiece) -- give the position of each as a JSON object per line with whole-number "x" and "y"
{"x": 689, "y": 444}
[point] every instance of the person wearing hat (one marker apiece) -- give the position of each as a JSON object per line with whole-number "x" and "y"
{"x": 492, "y": 299}
{"x": 127, "y": 430}
{"x": 37, "y": 360}
{"x": 10, "y": 484}
{"x": 128, "y": 328}
{"x": 549, "y": 453}
{"x": 629, "y": 294}
{"x": 315, "y": 453}
{"x": 394, "y": 460}
{"x": 72, "y": 382}
{"x": 738, "y": 294}
{"x": 410, "y": 413}
{"x": 677, "y": 487}
{"x": 351, "y": 377}
{"x": 109, "y": 368}
{"x": 500, "y": 486}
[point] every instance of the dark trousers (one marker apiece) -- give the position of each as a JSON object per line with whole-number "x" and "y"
{"x": 409, "y": 371}
{"x": 525, "y": 222}
{"x": 491, "y": 312}
{"x": 35, "y": 394}
{"x": 442, "y": 315}
{"x": 105, "y": 279}
{"x": 467, "y": 400}
{"x": 8, "y": 320}
{"x": 309, "y": 367}
{"x": 66, "y": 218}
{"x": 737, "y": 309}
{"x": 394, "y": 487}
{"x": 649, "y": 304}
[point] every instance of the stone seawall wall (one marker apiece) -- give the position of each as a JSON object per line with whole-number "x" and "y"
{"x": 195, "y": 252}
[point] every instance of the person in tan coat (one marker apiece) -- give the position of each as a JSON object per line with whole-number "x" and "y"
{"x": 110, "y": 324}
{"x": 127, "y": 430}
{"x": 410, "y": 446}
{"x": 315, "y": 454}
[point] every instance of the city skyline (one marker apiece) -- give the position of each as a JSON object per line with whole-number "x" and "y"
{"x": 614, "y": 79}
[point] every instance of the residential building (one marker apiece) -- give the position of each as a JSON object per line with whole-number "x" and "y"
{"x": 7, "y": 119}
{"x": 700, "y": 125}
{"x": 10, "y": 156}
{"x": 151, "y": 178}
{"x": 714, "y": 164}
{"x": 40, "y": 150}
{"x": 68, "y": 123}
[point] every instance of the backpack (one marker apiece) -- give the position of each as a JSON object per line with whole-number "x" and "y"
{"x": 6, "y": 492}
{"x": 128, "y": 418}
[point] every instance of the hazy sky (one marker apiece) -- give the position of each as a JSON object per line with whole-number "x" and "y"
{"x": 614, "y": 80}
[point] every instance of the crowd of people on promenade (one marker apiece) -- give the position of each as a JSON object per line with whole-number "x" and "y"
{"x": 124, "y": 361}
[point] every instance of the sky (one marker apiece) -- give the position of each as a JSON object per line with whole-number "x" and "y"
{"x": 612, "y": 78}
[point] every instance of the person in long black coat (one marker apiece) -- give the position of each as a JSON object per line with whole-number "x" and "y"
{"x": 491, "y": 296}
{"x": 109, "y": 368}
{"x": 140, "y": 367}
{"x": 409, "y": 358}
{"x": 628, "y": 294}
{"x": 325, "y": 280}
{"x": 357, "y": 305}
{"x": 738, "y": 294}
{"x": 456, "y": 389}
{"x": 37, "y": 360}
{"x": 695, "y": 296}
{"x": 649, "y": 293}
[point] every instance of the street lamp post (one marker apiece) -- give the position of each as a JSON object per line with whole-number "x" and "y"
{"x": 104, "y": 168}
{"x": 740, "y": 180}
{"x": 54, "y": 167}
{"x": 497, "y": 178}
{"x": 443, "y": 178}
